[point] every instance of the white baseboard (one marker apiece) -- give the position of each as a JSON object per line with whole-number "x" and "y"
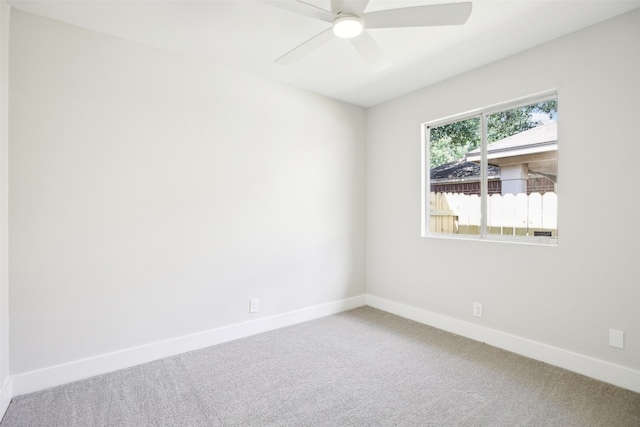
{"x": 6, "y": 394}
{"x": 579, "y": 363}
{"x": 73, "y": 371}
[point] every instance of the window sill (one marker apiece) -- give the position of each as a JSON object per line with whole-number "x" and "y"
{"x": 540, "y": 241}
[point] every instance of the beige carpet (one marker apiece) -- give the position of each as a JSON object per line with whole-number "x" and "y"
{"x": 364, "y": 367}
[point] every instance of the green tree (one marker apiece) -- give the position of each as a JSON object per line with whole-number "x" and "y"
{"x": 463, "y": 133}
{"x": 507, "y": 123}
{"x": 443, "y": 151}
{"x": 451, "y": 141}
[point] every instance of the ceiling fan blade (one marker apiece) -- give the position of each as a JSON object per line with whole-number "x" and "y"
{"x": 302, "y": 8}
{"x": 371, "y": 52}
{"x": 419, "y": 16}
{"x": 354, "y": 7}
{"x": 305, "y": 48}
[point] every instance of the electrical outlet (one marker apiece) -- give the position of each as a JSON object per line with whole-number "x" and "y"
{"x": 477, "y": 309}
{"x": 616, "y": 338}
{"x": 254, "y": 305}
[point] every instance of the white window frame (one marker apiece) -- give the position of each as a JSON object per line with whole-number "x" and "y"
{"x": 426, "y": 176}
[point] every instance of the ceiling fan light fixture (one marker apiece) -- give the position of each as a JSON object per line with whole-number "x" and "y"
{"x": 348, "y": 26}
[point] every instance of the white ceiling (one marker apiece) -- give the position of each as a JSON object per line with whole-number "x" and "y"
{"x": 248, "y": 36}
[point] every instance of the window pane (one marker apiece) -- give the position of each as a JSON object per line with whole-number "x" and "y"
{"x": 454, "y": 200}
{"x": 523, "y": 149}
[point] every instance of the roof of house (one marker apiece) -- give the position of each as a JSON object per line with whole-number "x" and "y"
{"x": 541, "y": 139}
{"x": 537, "y": 140}
{"x": 460, "y": 169}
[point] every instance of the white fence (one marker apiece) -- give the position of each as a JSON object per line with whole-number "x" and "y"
{"x": 514, "y": 215}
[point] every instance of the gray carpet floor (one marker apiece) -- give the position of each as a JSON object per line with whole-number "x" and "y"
{"x": 363, "y": 367}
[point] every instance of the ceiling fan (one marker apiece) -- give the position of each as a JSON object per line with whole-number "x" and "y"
{"x": 348, "y": 20}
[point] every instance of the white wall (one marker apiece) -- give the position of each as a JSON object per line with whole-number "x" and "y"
{"x": 4, "y": 144}
{"x": 151, "y": 196}
{"x": 567, "y": 296}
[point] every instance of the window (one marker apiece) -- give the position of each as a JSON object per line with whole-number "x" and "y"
{"x": 493, "y": 173}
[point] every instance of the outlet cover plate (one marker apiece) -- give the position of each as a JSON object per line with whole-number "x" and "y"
{"x": 477, "y": 309}
{"x": 254, "y": 305}
{"x": 616, "y": 338}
